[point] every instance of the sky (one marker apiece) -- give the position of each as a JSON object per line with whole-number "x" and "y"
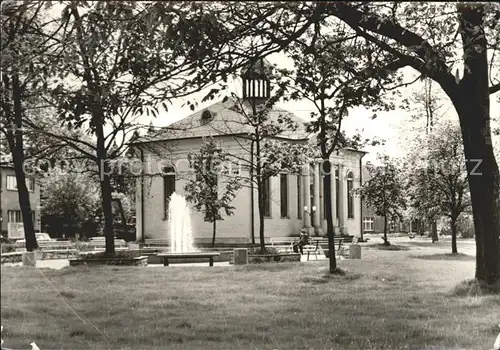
{"x": 395, "y": 127}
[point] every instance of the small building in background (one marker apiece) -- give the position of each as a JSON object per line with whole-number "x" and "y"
{"x": 10, "y": 210}
{"x": 373, "y": 223}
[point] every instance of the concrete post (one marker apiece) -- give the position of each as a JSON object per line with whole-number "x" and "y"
{"x": 355, "y": 251}
{"x": 29, "y": 259}
{"x": 240, "y": 256}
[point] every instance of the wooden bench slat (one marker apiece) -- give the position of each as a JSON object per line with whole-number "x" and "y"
{"x": 187, "y": 255}
{"x": 201, "y": 255}
{"x": 11, "y": 256}
{"x": 57, "y": 252}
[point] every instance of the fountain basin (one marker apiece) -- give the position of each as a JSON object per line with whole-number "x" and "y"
{"x": 187, "y": 256}
{"x": 100, "y": 258}
{"x": 153, "y": 258}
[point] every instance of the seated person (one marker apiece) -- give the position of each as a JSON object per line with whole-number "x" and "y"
{"x": 303, "y": 240}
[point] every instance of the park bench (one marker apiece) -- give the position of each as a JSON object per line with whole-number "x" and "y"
{"x": 44, "y": 243}
{"x": 120, "y": 244}
{"x": 310, "y": 249}
{"x": 41, "y": 253}
{"x": 320, "y": 245}
{"x": 117, "y": 249}
{"x": 155, "y": 242}
{"x": 46, "y": 249}
{"x": 57, "y": 253}
{"x": 283, "y": 243}
{"x": 202, "y": 255}
{"x": 55, "y": 245}
{"x": 11, "y": 257}
{"x": 314, "y": 248}
{"x": 7, "y": 247}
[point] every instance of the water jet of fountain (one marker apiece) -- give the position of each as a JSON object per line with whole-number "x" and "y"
{"x": 179, "y": 221}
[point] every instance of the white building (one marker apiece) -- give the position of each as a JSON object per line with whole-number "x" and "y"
{"x": 289, "y": 199}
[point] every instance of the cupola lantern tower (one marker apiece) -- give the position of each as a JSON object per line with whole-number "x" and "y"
{"x": 256, "y": 83}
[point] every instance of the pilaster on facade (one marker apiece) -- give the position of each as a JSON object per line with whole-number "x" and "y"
{"x": 316, "y": 200}
{"x": 306, "y": 183}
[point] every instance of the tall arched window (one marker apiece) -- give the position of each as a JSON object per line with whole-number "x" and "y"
{"x": 206, "y": 117}
{"x": 168, "y": 173}
{"x": 337, "y": 197}
{"x": 284, "y": 195}
{"x": 266, "y": 189}
{"x": 350, "y": 196}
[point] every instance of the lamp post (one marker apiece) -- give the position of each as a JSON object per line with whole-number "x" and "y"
{"x": 313, "y": 222}
{"x": 310, "y": 213}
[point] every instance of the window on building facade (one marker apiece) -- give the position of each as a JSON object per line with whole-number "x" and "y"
{"x": 299, "y": 197}
{"x": 168, "y": 187}
{"x": 350, "y": 195}
{"x": 12, "y": 183}
{"x": 225, "y": 168}
{"x": 230, "y": 168}
{"x": 266, "y": 194}
{"x": 392, "y": 226}
{"x": 284, "y": 195}
{"x": 368, "y": 224}
{"x": 14, "y": 216}
{"x": 31, "y": 184}
{"x": 206, "y": 117}
{"x": 236, "y": 168}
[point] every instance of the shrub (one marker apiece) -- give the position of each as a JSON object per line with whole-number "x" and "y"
{"x": 465, "y": 226}
{"x": 474, "y": 287}
{"x": 125, "y": 254}
{"x": 70, "y": 203}
{"x": 265, "y": 251}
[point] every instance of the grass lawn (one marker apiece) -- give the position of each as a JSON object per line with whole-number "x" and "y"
{"x": 387, "y": 300}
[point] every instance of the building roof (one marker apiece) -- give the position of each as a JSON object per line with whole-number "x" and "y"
{"x": 221, "y": 119}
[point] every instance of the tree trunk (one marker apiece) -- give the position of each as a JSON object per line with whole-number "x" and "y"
{"x": 483, "y": 184}
{"x": 260, "y": 184}
{"x": 95, "y": 93}
{"x": 106, "y": 191}
{"x": 453, "y": 227}
{"x": 386, "y": 242}
{"x": 24, "y": 199}
{"x": 435, "y": 237}
{"x": 17, "y": 150}
{"x": 260, "y": 195}
{"x": 472, "y": 101}
{"x": 252, "y": 196}
{"x": 327, "y": 168}
{"x": 107, "y": 212}
{"x": 213, "y": 233}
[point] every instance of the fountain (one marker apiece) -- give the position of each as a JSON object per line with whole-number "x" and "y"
{"x": 179, "y": 221}
{"x": 181, "y": 236}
